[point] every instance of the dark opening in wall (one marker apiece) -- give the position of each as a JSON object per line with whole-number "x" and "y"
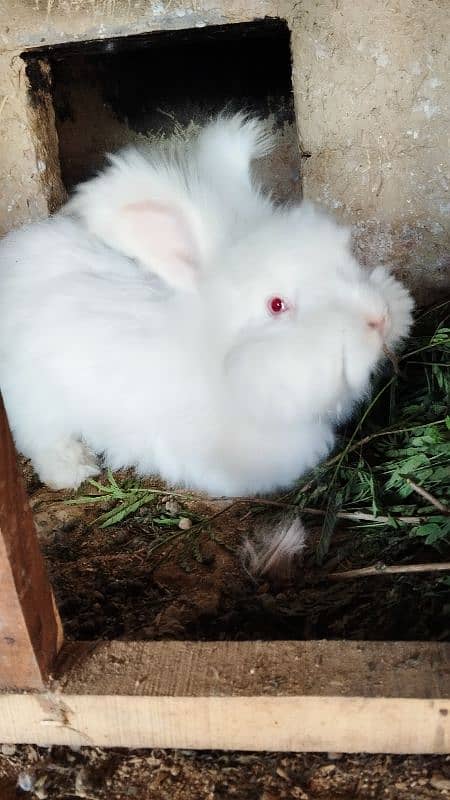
{"x": 107, "y": 93}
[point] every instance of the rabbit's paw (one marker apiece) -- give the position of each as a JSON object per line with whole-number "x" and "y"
{"x": 67, "y": 465}
{"x": 399, "y": 301}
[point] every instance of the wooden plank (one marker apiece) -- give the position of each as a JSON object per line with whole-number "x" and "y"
{"x": 322, "y": 668}
{"x": 30, "y": 630}
{"x": 301, "y": 696}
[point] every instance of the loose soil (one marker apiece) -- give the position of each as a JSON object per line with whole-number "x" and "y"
{"x": 110, "y": 583}
{"x": 63, "y": 774}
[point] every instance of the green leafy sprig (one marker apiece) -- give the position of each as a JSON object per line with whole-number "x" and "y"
{"x": 392, "y": 469}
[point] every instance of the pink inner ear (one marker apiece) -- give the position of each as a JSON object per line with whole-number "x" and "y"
{"x": 162, "y": 239}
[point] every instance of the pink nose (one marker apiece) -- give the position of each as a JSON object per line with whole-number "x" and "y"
{"x": 377, "y": 323}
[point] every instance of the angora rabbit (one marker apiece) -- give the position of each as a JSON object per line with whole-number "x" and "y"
{"x": 173, "y": 319}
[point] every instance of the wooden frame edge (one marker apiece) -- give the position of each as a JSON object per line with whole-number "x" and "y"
{"x": 300, "y": 724}
{"x": 30, "y": 631}
{"x": 302, "y": 696}
{"x": 285, "y": 696}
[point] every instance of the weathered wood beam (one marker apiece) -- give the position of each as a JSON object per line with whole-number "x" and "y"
{"x": 30, "y": 630}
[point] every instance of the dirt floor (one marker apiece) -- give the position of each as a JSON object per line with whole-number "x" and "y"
{"x": 138, "y": 580}
{"x": 62, "y": 773}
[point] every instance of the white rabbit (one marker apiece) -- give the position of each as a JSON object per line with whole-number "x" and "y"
{"x": 172, "y": 319}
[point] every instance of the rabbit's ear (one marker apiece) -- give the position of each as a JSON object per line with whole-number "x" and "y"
{"x": 159, "y": 236}
{"x": 140, "y": 207}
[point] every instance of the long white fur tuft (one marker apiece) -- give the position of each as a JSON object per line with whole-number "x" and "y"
{"x": 275, "y": 550}
{"x": 238, "y": 138}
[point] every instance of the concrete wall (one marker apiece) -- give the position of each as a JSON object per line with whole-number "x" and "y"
{"x": 371, "y": 99}
{"x": 371, "y": 87}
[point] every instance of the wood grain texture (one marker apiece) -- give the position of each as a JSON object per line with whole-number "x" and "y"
{"x": 320, "y": 668}
{"x": 310, "y": 696}
{"x": 30, "y": 630}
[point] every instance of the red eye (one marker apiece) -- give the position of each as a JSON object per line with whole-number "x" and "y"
{"x": 277, "y": 305}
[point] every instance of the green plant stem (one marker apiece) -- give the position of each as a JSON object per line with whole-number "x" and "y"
{"x": 108, "y": 497}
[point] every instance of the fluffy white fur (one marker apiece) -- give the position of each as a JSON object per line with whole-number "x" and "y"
{"x": 273, "y": 552}
{"x": 134, "y": 324}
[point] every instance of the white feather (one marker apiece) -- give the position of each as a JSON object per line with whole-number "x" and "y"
{"x": 273, "y": 552}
